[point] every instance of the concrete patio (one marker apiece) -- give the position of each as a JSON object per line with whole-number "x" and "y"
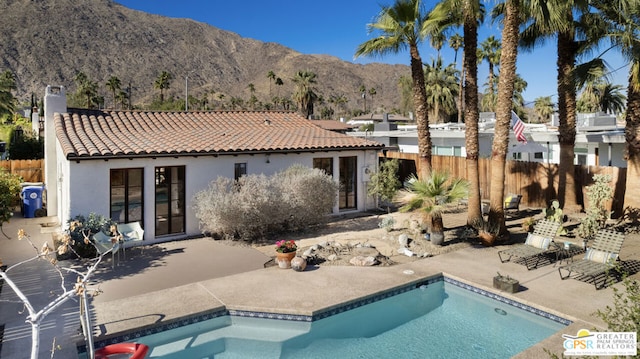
{"x": 164, "y": 282}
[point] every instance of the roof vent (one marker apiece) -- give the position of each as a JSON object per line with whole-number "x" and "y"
{"x": 267, "y": 121}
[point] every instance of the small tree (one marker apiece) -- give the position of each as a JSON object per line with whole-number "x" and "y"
{"x": 9, "y": 196}
{"x": 597, "y": 214}
{"x": 79, "y": 288}
{"x": 385, "y": 183}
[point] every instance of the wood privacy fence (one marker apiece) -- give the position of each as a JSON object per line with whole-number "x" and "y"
{"x": 536, "y": 182}
{"x": 29, "y": 170}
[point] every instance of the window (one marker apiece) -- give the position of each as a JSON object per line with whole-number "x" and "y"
{"x": 240, "y": 169}
{"x": 325, "y": 163}
{"x": 347, "y": 196}
{"x": 126, "y": 204}
{"x": 170, "y": 200}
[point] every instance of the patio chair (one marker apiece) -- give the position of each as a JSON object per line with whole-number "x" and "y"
{"x": 512, "y": 203}
{"x": 103, "y": 244}
{"x": 132, "y": 235}
{"x": 599, "y": 260}
{"x": 534, "y": 247}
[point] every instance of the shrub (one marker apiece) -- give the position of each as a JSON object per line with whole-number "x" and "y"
{"x": 256, "y": 206}
{"x": 79, "y": 226}
{"x": 597, "y": 214}
{"x": 9, "y": 195}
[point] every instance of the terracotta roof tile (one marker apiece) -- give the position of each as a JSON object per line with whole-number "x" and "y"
{"x": 93, "y": 134}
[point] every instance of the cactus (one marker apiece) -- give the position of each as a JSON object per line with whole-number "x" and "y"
{"x": 554, "y": 213}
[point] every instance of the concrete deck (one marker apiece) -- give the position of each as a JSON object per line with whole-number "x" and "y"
{"x": 172, "y": 280}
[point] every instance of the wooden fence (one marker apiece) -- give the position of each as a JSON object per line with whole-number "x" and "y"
{"x": 536, "y": 182}
{"x": 29, "y": 170}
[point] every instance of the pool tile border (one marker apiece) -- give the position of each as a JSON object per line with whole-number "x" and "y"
{"x": 328, "y": 313}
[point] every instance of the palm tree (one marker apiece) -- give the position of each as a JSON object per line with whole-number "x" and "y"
{"x": 456, "y": 42}
{"x": 87, "y": 89}
{"x": 278, "y": 83}
{"x": 401, "y": 26}
{"x": 363, "y": 95}
{"x": 490, "y": 50}
{"x": 543, "y": 107}
{"x": 437, "y": 41}
{"x": 468, "y": 13}
{"x": 372, "y": 92}
{"x": 113, "y": 84}
{"x": 442, "y": 89}
{"x": 432, "y": 195}
{"x": 272, "y": 77}
{"x": 623, "y": 33}
{"x": 506, "y": 84}
{"x": 612, "y": 100}
{"x": 162, "y": 83}
{"x": 305, "y": 92}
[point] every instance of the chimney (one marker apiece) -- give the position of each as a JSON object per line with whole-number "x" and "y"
{"x": 55, "y": 101}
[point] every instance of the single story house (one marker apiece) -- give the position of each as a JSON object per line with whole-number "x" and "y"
{"x": 599, "y": 140}
{"x": 147, "y": 166}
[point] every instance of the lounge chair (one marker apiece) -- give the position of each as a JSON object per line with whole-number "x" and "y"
{"x": 132, "y": 235}
{"x": 599, "y": 260}
{"x": 103, "y": 243}
{"x": 536, "y": 245}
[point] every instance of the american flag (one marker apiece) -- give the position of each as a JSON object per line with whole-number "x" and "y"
{"x": 518, "y": 127}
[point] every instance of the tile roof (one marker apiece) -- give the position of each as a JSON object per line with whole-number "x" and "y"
{"x": 94, "y": 134}
{"x": 333, "y": 125}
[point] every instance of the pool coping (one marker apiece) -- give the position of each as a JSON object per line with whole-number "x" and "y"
{"x": 133, "y": 334}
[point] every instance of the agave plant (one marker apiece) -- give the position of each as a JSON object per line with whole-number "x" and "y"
{"x": 432, "y": 195}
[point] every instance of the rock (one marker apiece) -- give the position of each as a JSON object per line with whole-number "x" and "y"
{"x": 314, "y": 247}
{"x": 308, "y": 252}
{"x": 365, "y": 252}
{"x": 403, "y": 239}
{"x": 362, "y": 261}
{"x": 298, "y": 264}
{"x": 332, "y": 257}
{"x": 408, "y": 253}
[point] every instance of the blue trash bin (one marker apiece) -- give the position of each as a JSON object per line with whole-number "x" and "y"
{"x": 31, "y": 200}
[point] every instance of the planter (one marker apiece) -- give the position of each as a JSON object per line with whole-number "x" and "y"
{"x": 437, "y": 238}
{"x": 506, "y": 284}
{"x": 284, "y": 259}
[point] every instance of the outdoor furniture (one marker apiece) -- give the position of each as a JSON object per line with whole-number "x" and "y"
{"x": 132, "y": 235}
{"x": 103, "y": 243}
{"x": 536, "y": 245}
{"x": 599, "y": 259}
{"x": 566, "y": 251}
{"x": 512, "y": 203}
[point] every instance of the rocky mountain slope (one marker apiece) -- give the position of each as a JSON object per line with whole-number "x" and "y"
{"x": 49, "y": 41}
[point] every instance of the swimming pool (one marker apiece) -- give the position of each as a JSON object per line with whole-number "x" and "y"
{"x": 440, "y": 318}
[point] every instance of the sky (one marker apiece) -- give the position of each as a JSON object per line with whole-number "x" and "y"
{"x": 337, "y": 27}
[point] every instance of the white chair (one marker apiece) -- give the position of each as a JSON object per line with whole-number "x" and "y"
{"x": 132, "y": 235}
{"x": 103, "y": 244}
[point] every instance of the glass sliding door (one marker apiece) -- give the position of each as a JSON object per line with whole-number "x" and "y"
{"x": 126, "y": 196}
{"x": 348, "y": 198}
{"x": 170, "y": 200}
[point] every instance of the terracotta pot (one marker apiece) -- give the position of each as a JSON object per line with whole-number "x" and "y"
{"x": 284, "y": 259}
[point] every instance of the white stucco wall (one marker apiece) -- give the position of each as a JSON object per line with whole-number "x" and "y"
{"x": 85, "y": 184}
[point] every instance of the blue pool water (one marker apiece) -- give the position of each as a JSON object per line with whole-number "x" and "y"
{"x": 440, "y": 320}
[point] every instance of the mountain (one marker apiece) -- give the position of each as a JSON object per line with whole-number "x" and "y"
{"x": 47, "y": 42}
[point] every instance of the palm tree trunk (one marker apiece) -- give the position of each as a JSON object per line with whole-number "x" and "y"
{"x": 461, "y": 91}
{"x": 471, "y": 117}
{"x": 422, "y": 116}
{"x": 632, "y": 134}
{"x": 506, "y": 84}
{"x": 567, "y": 126}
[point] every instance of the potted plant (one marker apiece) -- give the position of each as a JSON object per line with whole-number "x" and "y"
{"x": 528, "y": 224}
{"x": 432, "y": 195}
{"x": 506, "y": 283}
{"x": 285, "y": 252}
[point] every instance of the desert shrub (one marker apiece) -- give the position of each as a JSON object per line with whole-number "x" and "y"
{"x": 597, "y": 214}
{"x": 257, "y": 206}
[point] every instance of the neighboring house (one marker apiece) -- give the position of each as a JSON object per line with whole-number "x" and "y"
{"x": 599, "y": 140}
{"x": 147, "y": 166}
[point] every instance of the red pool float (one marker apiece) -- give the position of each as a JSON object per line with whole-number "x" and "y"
{"x": 136, "y": 350}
